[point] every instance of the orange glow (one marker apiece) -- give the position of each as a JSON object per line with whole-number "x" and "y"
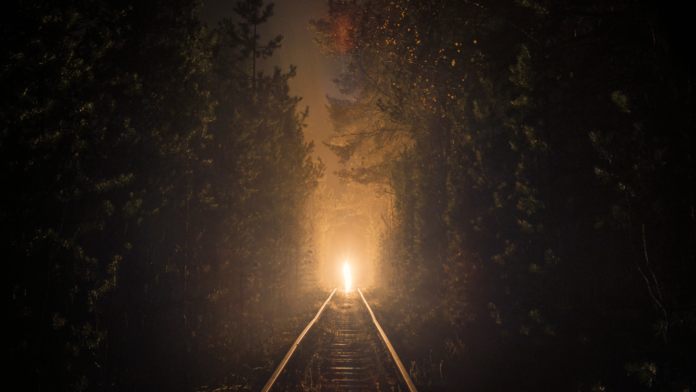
{"x": 346, "y": 276}
{"x": 343, "y": 27}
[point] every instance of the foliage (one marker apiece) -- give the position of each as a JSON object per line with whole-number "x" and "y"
{"x": 538, "y": 154}
{"x": 153, "y": 179}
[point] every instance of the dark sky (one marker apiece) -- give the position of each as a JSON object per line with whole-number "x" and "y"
{"x": 314, "y": 70}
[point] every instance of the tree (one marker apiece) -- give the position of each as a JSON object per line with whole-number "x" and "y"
{"x": 512, "y": 116}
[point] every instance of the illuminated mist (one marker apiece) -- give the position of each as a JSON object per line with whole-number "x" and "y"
{"x": 346, "y": 276}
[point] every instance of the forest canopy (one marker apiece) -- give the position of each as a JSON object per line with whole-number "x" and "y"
{"x": 537, "y": 158}
{"x": 520, "y": 173}
{"x": 153, "y": 176}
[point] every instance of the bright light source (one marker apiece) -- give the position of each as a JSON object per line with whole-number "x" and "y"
{"x": 346, "y": 275}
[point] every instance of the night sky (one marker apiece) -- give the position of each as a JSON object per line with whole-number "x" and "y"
{"x": 314, "y": 70}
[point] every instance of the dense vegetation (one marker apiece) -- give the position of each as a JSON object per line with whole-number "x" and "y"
{"x": 533, "y": 226}
{"x": 155, "y": 188}
{"x": 537, "y": 161}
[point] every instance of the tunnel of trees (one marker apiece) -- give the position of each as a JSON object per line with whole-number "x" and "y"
{"x": 521, "y": 171}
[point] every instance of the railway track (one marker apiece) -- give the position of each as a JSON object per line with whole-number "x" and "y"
{"x": 342, "y": 349}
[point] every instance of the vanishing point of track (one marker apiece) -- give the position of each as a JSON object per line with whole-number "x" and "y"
{"x": 353, "y": 355}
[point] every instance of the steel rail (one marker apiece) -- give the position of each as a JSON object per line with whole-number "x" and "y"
{"x": 400, "y": 365}
{"x": 273, "y": 378}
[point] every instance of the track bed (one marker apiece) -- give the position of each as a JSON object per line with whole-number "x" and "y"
{"x": 343, "y": 351}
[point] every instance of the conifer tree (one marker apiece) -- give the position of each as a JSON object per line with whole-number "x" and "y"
{"x": 515, "y": 178}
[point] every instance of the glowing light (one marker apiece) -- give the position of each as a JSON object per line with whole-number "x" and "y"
{"x": 346, "y": 275}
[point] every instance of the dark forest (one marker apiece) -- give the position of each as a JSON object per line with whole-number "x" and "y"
{"x": 519, "y": 174}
